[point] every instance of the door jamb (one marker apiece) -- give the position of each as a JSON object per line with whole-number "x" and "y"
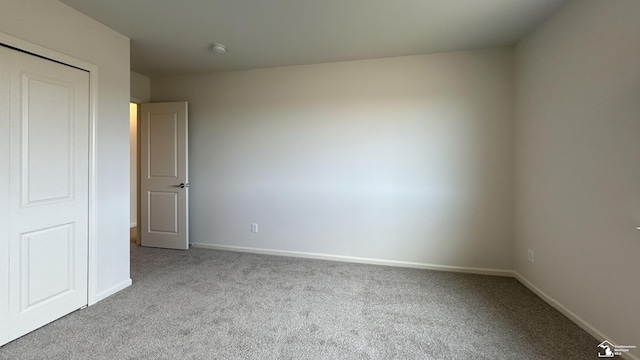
{"x": 92, "y": 256}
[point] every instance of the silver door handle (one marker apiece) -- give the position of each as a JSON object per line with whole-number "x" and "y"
{"x": 182, "y": 185}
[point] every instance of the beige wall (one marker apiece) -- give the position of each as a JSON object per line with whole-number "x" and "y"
{"x": 405, "y": 159}
{"x": 140, "y": 88}
{"x": 578, "y": 163}
{"x": 57, "y": 27}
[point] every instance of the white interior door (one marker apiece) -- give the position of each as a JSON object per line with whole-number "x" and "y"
{"x": 44, "y": 123}
{"x": 164, "y": 183}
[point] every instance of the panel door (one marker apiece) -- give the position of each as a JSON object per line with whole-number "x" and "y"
{"x": 44, "y": 182}
{"x": 164, "y": 183}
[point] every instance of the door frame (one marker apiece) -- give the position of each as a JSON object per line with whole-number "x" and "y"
{"x": 37, "y": 50}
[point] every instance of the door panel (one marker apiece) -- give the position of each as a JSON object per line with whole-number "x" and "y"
{"x": 46, "y": 166}
{"x": 46, "y": 264}
{"x": 163, "y": 145}
{"x": 164, "y": 166}
{"x": 46, "y": 113}
{"x": 163, "y": 221}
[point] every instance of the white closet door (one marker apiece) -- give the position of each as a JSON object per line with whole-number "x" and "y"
{"x": 44, "y": 123}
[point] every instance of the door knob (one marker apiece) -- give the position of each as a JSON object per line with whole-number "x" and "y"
{"x": 182, "y": 185}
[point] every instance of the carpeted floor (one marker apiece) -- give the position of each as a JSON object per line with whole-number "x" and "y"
{"x": 206, "y": 304}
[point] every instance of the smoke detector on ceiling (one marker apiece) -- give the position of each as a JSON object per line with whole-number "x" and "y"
{"x": 218, "y": 48}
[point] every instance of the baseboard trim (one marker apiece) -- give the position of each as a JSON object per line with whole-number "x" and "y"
{"x": 599, "y": 335}
{"x": 359, "y": 260}
{"x": 105, "y": 294}
{"x": 471, "y": 270}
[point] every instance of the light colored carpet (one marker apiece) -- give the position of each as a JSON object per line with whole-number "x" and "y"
{"x": 206, "y": 304}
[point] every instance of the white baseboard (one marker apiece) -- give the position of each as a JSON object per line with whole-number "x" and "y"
{"x": 599, "y": 335}
{"x": 133, "y": 224}
{"x": 105, "y": 294}
{"x": 360, "y": 260}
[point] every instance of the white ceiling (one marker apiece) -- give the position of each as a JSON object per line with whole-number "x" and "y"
{"x": 173, "y": 36}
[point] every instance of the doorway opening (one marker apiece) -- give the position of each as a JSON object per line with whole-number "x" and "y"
{"x": 133, "y": 171}
{"x": 159, "y": 181}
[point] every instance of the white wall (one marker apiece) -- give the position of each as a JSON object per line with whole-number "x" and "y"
{"x": 57, "y": 27}
{"x": 406, "y": 159}
{"x": 578, "y": 163}
{"x": 140, "y": 88}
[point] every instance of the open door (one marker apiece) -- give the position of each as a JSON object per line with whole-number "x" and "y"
{"x": 164, "y": 183}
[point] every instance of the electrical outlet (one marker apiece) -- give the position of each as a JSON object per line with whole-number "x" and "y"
{"x": 254, "y": 228}
{"x": 530, "y": 255}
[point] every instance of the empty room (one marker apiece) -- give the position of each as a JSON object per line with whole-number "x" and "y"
{"x": 281, "y": 179}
